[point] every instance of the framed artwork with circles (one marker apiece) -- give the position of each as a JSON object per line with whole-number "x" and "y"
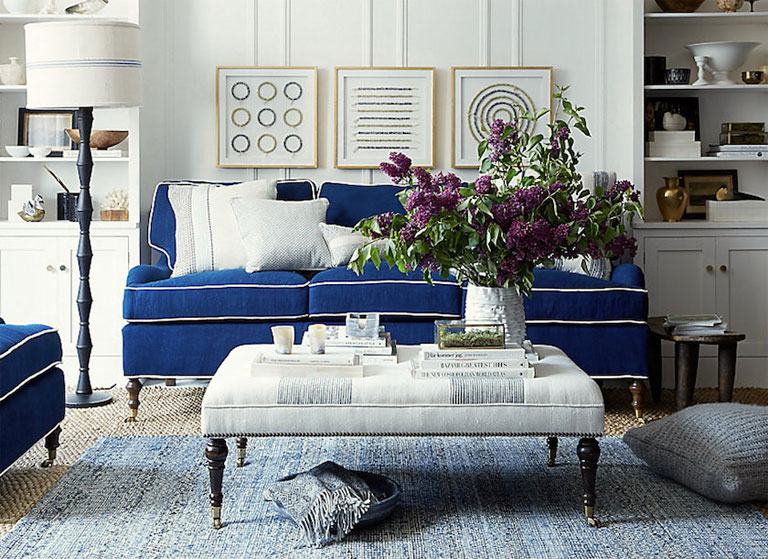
{"x": 480, "y": 95}
{"x": 266, "y": 116}
{"x": 381, "y": 110}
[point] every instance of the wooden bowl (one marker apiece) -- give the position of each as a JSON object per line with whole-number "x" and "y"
{"x": 100, "y": 139}
{"x": 679, "y": 6}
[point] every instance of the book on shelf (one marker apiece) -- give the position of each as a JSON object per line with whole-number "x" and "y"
{"x": 693, "y": 319}
{"x": 742, "y": 127}
{"x": 433, "y": 352}
{"x": 695, "y": 325}
{"x": 259, "y": 369}
{"x": 363, "y": 351}
{"x": 473, "y": 365}
{"x": 738, "y": 148}
{"x": 336, "y": 337}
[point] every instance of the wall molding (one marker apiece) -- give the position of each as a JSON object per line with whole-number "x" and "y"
{"x": 517, "y": 23}
{"x": 367, "y": 60}
{"x": 601, "y": 118}
{"x": 401, "y": 31}
{"x": 484, "y": 33}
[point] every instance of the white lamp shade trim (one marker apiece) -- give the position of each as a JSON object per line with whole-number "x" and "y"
{"x": 83, "y": 64}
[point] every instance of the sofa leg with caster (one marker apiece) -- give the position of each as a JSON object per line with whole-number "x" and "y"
{"x": 637, "y": 388}
{"x": 133, "y": 387}
{"x": 51, "y": 444}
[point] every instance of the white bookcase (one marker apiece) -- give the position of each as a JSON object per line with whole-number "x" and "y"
{"x": 38, "y": 268}
{"x": 697, "y": 266}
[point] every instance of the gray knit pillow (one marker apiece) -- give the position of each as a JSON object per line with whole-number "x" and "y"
{"x": 718, "y": 450}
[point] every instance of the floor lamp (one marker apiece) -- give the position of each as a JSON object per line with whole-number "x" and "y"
{"x": 83, "y": 65}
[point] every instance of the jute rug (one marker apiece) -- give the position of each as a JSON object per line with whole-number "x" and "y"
{"x": 463, "y": 497}
{"x": 176, "y": 411}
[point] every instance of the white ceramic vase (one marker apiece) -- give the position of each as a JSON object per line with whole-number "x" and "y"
{"x": 24, "y": 6}
{"x": 493, "y": 305}
{"x": 13, "y": 73}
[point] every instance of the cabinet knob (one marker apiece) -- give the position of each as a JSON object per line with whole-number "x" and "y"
{"x": 49, "y": 268}
{"x": 710, "y": 268}
{"x": 63, "y": 268}
{"x": 723, "y": 268}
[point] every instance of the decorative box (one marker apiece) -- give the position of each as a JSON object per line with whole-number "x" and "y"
{"x": 456, "y": 334}
{"x": 361, "y": 325}
{"x": 114, "y": 215}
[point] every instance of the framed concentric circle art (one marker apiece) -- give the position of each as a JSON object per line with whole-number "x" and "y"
{"x": 381, "y": 110}
{"x": 481, "y": 95}
{"x": 266, "y": 116}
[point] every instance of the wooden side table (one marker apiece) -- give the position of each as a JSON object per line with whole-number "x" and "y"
{"x": 687, "y": 360}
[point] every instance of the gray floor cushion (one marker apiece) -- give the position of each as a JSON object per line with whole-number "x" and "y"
{"x": 718, "y": 450}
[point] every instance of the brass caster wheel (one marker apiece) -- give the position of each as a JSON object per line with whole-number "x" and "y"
{"x": 129, "y": 420}
{"x": 594, "y": 522}
{"x": 551, "y": 462}
{"x": 240, "y": 462}
{"x": 216, "y": 514}
{"x": 132, "y": 417}
{"x": 217, "y": 523}
{"x": 47, "y": 463}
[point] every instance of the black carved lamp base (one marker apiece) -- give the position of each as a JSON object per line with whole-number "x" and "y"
{"x": 92, "y": 400}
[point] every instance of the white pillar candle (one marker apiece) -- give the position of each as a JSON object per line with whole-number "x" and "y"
{"x": 283, "y": 338}
{"x": 316, "y": 333}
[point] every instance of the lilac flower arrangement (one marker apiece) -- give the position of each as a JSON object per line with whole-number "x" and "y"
{"x": 528, "y": 208}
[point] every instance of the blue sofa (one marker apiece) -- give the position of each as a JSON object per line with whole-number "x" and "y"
{"x": 185, "y": 326}
{"x": 31, "y": 391}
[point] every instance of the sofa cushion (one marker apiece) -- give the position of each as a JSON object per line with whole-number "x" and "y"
{"x": 349, "y": 203}
{"x": 575, "y": 298}
{"x": 26, "y": 352}
{"x": 395, "y": 295}
{"x": 227, "y": 295}
{"x": 718, "y": 450}
{"x": 162, "y": 222}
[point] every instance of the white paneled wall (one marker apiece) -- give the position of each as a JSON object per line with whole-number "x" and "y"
{"x": 588, "y": 42}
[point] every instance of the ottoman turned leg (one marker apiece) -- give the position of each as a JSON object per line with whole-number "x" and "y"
{"x": 242, "y": 442}
{"x": 216, "y": 454}
{"x": 551, "y": 451}
{"x": 133, "y": 387}
{"x": 51, "y": 444}
{"x": 588, "y": 452}
{"x": 637, "y": 388}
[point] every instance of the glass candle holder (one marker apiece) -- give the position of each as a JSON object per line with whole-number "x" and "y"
{"x": 283, "y": 338}
{"x": 317, "y": 335}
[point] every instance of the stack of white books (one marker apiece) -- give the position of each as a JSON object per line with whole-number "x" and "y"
{"x": 745, "y": 150}
{"x": 380, "y": 350}
{"x": 695, "y": 325}
{"x": 434, "y": 362}
{"x": 665, "y": 143}
{"x": 302, "y": 363}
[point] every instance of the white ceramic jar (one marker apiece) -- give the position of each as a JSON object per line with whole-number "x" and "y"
{"x": 24, "y": 6}
{"x": 13, "y": 73}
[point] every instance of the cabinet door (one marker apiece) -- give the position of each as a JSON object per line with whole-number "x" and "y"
{"x": 28, "y": 281}
{"x": 680, "y": 275}
{"x": 108, "y": 272}
{"x": 742, "y": 290}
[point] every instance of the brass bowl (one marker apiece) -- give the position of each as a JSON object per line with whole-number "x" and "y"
{"x": 752, "y": 77}
{"x": 100, "y": 139}
{"x": 679, "y": 6}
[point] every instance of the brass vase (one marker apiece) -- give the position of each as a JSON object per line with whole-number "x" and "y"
{"x": 672, "y": 199}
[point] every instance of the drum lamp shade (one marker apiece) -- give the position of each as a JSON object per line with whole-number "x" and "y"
{"x": 83, "y": 64}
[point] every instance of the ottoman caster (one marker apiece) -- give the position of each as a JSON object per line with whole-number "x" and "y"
{"x": 216, "y": 514}
{"x": 589, "y": 453}
{"x": 592, "y": 520}
{"x": 242, "y": 442}
{"x": 132, "y": 418}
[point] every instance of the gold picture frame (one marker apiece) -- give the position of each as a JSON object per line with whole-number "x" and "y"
{"x": 508, "y": 81}
{"x": 273, "y": 91}
{"x": 391, "y": 93}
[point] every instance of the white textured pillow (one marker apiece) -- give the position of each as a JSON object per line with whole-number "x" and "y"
{"x": 282, "y": 235}
{"x": 342, "y": 242}
{"x": 207, "y": 235}
{"x": 596, "y": 267}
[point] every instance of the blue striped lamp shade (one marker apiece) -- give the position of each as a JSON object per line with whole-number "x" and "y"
{"x": 83, "y": 64}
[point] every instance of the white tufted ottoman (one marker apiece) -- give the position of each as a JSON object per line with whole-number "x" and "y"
{"x": 561, "y": 401}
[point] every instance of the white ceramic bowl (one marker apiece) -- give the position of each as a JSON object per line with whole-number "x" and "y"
{"x": 40, "y": 151}
{"x": 723, "y": 57}
{"x": 24, "y": 6}
{"x": 17, "y": 151}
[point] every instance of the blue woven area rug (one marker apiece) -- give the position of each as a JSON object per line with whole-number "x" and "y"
{"x": 463, "y": 497}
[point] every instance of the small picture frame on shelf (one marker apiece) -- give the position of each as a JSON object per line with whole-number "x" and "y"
{"x": 703, "y": 185}
{"x": 266, "y": 116}
{"x": 381, "y": 110}
{"x": 480, "y": 95}
{"x": 687, "y": 107}
{"x": 46, "y": 128}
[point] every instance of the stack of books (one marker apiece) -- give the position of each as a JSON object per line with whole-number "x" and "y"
{"x": 664, "y": 143}
{"x": 695, "y": 325}
{"x": 510, "y": 362}
{"x": 371, "y": 351}
{"x": 741, "y": 139}
{"x": 302, "y": 363}
{"x": 743, "y": 150}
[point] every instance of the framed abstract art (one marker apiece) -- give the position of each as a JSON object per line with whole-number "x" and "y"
{"x": 381, "y": 110}
{"x": 480, "y": 95}
{"x": 266, "y": 116}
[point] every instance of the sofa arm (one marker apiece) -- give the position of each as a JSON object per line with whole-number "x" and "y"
{"x": 147, "y": 274}
{"x": 629, "y": 275}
